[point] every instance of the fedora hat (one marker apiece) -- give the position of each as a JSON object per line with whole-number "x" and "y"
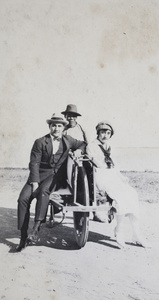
{"x": 105, "y": 126}
{"x": 57, "y": 118}
{"x": 71, "y": 109}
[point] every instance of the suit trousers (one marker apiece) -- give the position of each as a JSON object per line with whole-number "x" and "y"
{"x": 25, "y": 199}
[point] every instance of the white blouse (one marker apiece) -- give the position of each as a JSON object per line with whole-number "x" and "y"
{"x": 94, "y": 151}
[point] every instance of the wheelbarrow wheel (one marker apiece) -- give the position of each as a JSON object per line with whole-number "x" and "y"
{"x": 81, "y": 219}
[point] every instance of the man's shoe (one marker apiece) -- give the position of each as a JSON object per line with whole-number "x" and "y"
{"x": 21, "y": 246}
{"x": 33, "y": 237}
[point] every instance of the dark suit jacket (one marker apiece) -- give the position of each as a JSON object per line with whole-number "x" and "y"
{"x": 40, "y": 159}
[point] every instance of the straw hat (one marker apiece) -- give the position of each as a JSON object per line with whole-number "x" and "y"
{"x": 57, "y": 118}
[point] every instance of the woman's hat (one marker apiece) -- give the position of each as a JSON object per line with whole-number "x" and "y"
{"x": 71, "y": 109}
{"x": 57, "y": 118}
{"x": 105, "y": 126}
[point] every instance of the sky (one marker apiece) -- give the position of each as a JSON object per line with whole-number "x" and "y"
{"x": 102, "y": 56}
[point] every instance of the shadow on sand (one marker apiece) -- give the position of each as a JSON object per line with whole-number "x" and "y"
{"x": 59, "y": 237}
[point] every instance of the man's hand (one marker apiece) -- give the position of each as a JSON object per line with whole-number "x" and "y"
{"x": 34, "y": 185}
{"x": 78, "y": 153}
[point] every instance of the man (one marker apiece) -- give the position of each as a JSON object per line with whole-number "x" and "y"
{"x": 75, "y": 130}
{"x": 47, "y": 163}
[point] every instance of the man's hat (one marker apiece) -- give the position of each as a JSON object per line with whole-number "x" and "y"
{"x": 105, "y": 126}
{"x": 57, "y": 118}
{"x": 72, "y": 109}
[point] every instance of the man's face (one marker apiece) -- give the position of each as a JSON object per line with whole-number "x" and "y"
{"x": 71, "y": 118}
{"x": 104, "y": 135}
{"x": 56, "y": 129}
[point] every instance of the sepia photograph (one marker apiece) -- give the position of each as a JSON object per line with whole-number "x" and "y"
{"x": 79, "y": 150}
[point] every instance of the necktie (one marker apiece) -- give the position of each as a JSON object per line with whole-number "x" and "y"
{"x": 108, "y": 159}
{"x": 58, "y": 139}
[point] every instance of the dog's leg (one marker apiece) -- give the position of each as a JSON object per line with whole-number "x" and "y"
{"x": 137, "y": 238}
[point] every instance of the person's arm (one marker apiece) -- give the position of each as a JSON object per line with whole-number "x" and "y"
{"x": 96, "y": 154}
{"x": 35, "y": 160}
{"x": 77, "y": 145}
{"x": 84, "y": 134}
{"x": 91, "y": 153}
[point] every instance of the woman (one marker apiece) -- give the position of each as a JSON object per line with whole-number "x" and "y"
{"x": 111, "y": 181}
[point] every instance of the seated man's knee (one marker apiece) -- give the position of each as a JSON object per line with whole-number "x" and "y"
{"x": 44, "y": 191}
{"x": 23, "y": 201}
{"x": 24, "y": 196}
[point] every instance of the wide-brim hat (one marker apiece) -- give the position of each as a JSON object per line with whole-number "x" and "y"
{"x": 105, "y": 126}
{"x": 72, "y": 109}
{"x": 57, "y": 118}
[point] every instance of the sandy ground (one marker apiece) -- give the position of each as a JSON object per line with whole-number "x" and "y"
{"x": 55, "y": 269}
